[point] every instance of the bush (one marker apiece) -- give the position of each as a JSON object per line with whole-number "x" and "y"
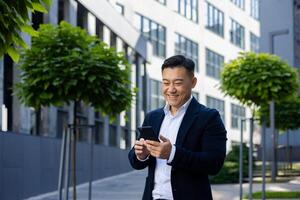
{"x": 230, "y": 171}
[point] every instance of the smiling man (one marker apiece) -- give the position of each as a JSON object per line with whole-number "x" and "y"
{"x": 192, "y": 140}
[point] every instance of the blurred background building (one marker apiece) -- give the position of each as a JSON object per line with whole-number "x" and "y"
{"x": 280, "y": 33}
{"x": 210, "y": 32}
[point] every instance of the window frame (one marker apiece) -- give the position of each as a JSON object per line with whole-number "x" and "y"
{"x": 214, "y": 20}
{"x": 213, "y": 69}
{"x": 188, "y": 48}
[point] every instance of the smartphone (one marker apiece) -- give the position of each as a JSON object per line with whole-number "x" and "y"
{"x": 148, "y": 133}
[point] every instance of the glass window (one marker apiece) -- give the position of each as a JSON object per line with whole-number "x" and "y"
{"x": 82, "y": 119}
{"x": 82, "y": 16}
{"x": 218, "y": 104}
{"x": 189, "y": 9}
{"x": 188, "y": 48}
{"x": 99, "y": 128}
{"x": 61, "y": 10}
{"x": 155, "y": 33}
{"x": 112, "y": 135}
{"x": 157, "y": 99}
{"x": 196, "y": 95}
{"x": 237, "y": 34}
{"x": 215, "y": 20}
{"x": 99, "y": 29}
{"x": 62, "y": 121}
{"x": 120, "y": 8}
{"x": 37, "y": 18}
{"x": 214, "y": 64}
{"x": 254, "y": 12}
{"x": 239, "y": 3}
{"x": 8, "y": 81}
{"x": 254, "y": 43}
{"x": 164, "y": 2}
{"x": 237, "y": 113}
{"x": 113, "y": 40}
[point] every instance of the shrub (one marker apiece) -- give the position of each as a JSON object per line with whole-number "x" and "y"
{"x": 230, "y": 171}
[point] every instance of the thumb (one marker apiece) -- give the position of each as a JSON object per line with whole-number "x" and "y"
{"x": 162, "y": 138}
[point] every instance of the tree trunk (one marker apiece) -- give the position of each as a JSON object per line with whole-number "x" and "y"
{"x": 74, "y": 150}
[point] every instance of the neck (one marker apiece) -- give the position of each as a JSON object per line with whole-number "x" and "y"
{"x": 174, "y": 109}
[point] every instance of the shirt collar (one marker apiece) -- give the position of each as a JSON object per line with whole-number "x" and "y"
{"x": 183, "y": 107}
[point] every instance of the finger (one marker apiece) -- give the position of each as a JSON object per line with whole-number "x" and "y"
{"x": 138, "y": 147}
{"x": 138, "y": 152}
{"x": 164, "y": 139}
{"x": 153, "y": 143}
{"x": 153, "y": 149}
{"x": 140, "y": 142}
{"x": 153, "y": 154}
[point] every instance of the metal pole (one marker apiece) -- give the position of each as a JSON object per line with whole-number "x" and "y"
{"x": 272, "y": 107}
{"x": 287, "y": 152}
{"x": 62, "y": 163}
{"x": 91, "y": 161}
{"x": 288, "y": 148}
{"x": 272, "y": 128}
{"x": 250, "y": 157}
{"x": 67, "y": 165}
{"x": 263, "y": 155}
{"x": 241, "y": 161}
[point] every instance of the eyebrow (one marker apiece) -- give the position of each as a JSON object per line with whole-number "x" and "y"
{"x": 178, "y": 79}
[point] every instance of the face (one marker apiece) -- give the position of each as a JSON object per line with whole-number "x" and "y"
{"x": 177, "y": 86}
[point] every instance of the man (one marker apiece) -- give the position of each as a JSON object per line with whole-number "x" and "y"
{"x": 193, "y": 140}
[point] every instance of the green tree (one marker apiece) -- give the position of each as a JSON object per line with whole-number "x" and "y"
{"x": 66, "y": 65}
{"x": 257, "y": 79}
{"x": 287, "y": 113}
{"x": 14, "y": 18}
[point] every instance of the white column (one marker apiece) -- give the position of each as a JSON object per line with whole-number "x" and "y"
{"x": 91, "y": 20}
{"x": 106, "y": 35}
{"x": 71, "y": 14}
{"x": 52, "y": 15}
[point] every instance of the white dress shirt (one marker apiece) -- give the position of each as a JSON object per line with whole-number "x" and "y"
{"x": 169, "y": 129}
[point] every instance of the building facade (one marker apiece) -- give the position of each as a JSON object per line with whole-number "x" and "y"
{"x": 210, "y": 33}
{"x": 283, "y": 21}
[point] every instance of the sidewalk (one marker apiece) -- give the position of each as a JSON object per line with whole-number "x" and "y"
{"x": 129, "y": 186}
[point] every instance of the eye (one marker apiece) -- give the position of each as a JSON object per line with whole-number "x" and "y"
{"x": 178, "y": 83}
{"x": 166, "y": 83}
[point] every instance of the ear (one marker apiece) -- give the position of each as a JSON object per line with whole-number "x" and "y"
{"x": 194, "y": 82}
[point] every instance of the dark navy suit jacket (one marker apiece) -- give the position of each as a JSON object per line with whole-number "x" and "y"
{"x": 200, "y": 152}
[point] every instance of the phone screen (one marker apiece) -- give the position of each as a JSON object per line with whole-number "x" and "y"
{"x": 148, "y": 133}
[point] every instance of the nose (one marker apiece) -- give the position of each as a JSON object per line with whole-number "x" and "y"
{"x": 172, "y": 88}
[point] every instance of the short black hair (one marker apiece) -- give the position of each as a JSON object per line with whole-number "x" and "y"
{"x": 179, "y": 61}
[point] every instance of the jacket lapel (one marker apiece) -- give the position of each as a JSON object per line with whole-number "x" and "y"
{"x": 187, "y": 121}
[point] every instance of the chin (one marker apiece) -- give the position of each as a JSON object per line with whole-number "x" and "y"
{"x": 172, "y": 103}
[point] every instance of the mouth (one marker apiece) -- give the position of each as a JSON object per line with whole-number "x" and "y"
{"x": 172, "y": 96}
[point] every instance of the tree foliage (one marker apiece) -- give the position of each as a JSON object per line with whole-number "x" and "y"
{"x": 66, "y": 64}
{"x": 14, "y": 18}
{"x": 258, "y": 78}
{"x": 287, "y": 113}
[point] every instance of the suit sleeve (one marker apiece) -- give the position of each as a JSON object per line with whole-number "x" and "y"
{"x": 135, "y": 163}
{"x": 211, "y": 158}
